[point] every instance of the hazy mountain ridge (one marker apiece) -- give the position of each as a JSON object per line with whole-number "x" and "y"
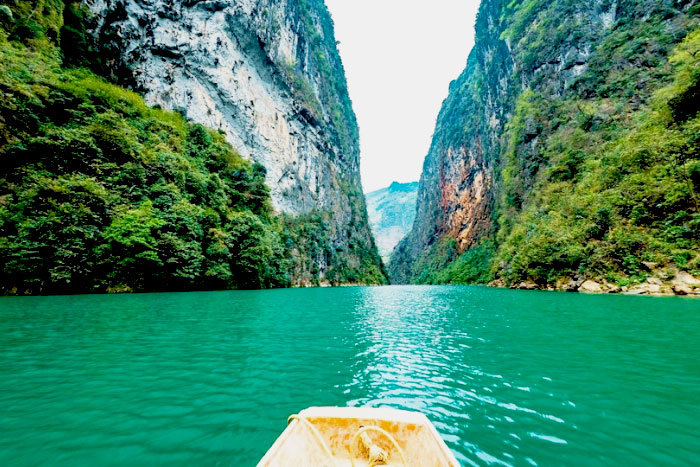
{"x": 391, "y": 211}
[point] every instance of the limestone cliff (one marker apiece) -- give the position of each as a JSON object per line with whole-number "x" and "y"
{"x": 267, "y": 75}
{"x": 545, "y": 80}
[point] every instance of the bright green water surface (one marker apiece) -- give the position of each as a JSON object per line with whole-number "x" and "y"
{"x": 210, "y": 378}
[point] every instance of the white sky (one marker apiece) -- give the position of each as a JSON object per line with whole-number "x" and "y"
{"x": 400, "y": 57}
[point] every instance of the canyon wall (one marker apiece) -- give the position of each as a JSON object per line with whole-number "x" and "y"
{"x": 545, "y": 80}
{"x": 266, "y": 74}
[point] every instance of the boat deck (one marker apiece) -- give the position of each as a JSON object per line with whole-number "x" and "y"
{"x": 334, "y": 428}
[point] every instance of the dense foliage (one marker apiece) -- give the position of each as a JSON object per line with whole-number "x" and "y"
{"x": 597, "y": 176}
{"x": 615, "y": 182}
{"x": 99, "y": 192}
{"x": 308, "y": 238}
{"x": 444, "y": 264}
{"x": 616, "y": 189}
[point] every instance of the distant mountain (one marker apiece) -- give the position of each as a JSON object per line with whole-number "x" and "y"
{"x": 391, "y": 213}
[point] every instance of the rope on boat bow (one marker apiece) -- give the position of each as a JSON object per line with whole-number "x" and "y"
{"x": 317, "y": 435}
{"x": 373, "y": 461}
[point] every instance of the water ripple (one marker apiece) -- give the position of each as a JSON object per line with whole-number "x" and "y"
{"x": 508, "y": 378}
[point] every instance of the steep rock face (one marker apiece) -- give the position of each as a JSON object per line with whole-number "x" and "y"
{"x": 268, "y": 75}
{"x": 479, "y": 173}
{"x": 456, "y": 194}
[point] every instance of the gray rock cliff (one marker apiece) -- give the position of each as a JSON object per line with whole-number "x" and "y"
{"x": 268, "y": 75}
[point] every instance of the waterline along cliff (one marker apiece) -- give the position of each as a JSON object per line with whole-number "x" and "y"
{"x": 566, "y": 154}
{"x": 149, "y": 145}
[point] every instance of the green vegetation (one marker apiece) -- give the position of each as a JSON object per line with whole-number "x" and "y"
{"x": 36, "y": 23}
{"x": 612, "y": 189}
{"x": 596, "y": 174}
{"x": 99, "y": 192}
{"x": 308, "y": 238}
{"x": 445, "y": 266}
{"x": 303, "y": 91}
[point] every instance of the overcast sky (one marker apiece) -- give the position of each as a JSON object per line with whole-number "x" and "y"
{"x": 399, "y": 57}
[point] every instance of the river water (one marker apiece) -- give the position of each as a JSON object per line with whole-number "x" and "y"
{"x": 507, "y": 377}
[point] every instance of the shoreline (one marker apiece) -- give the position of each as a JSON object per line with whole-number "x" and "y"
{"x": 683, "y": 284}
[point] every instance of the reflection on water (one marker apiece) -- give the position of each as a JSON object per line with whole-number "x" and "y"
{"x": 511, "y": 378}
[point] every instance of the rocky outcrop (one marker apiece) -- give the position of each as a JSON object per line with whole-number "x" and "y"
{"x": 266, "y": 74}
{"x": 590, "y": 286}
{"x": 685, "y": 284}
{"x": 681, "y": 284}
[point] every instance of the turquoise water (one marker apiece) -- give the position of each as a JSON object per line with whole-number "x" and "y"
{"x": 507, "y": 377}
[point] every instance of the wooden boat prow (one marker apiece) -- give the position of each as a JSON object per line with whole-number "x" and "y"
{"x": 323, "y": 436}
